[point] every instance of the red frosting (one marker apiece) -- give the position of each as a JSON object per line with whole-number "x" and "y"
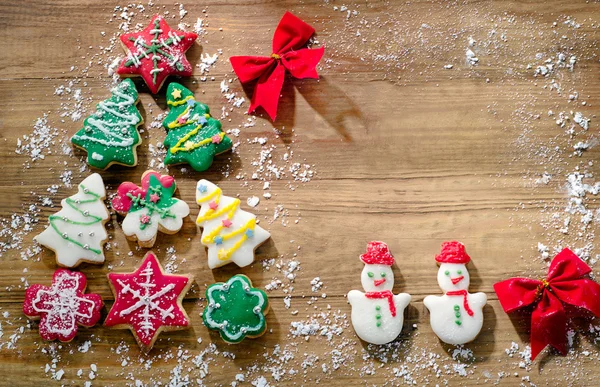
{"x": 377, "y": 253}
{"x": 453, "y": 252}
{"x": 144, "y": 66}
{"x": 122, "y": 202}
{"x": 62, "y": 306}
{"x": 147, "y": 300}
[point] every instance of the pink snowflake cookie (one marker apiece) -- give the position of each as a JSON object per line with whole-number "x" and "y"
{"x": 62, "y": 306}
{"x": 148, "y": 301}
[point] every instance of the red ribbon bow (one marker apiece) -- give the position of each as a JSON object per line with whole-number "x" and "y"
{"x": 564, "y": 286}
{"x": 288, "y": 54}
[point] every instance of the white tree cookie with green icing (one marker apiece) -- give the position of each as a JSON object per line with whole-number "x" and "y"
{"x": 110, "y": 135}
{"x": 230, "y": 233}
{"x": 76, "y": 233}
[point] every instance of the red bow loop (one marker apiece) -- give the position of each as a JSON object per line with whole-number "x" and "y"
{"x": 564, "y": 284}
{"x": 289, "y": 53}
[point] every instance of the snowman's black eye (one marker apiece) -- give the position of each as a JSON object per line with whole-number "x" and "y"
{"x": 382, "y": 274}
{"x": 370, "y": 274}
{"x": 447, "y": 272}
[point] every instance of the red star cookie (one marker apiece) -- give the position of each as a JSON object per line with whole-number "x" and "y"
{"x": 156, "y": 52}
{"x": 148, "y": 301}
{"x": 63, "y": 306}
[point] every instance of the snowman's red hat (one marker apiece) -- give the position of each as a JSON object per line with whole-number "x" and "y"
{"x": 453, "y": 252}
{"x": 377, "y": 253}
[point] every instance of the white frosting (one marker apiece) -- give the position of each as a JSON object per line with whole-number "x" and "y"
{"x": 242, "y": 256}
{"x": 444, "y": 309}
{"x": 62, "y": 305}
{"x": 132, "y": 225}
{"x": 365, "y": 310}
{"x": 74, "y": 243}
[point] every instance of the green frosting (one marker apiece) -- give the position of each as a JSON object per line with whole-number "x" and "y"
{"x": 191, "y": 130}
{"x": 110, "y": 134}
{"x": 158, "y": 199}
{"x": 236, "y": 309}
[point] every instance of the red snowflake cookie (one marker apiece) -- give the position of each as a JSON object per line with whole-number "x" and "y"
{"x": 156, "y": 52}
{"x": 148, "y": 301}
{"x": 62, "y": 306}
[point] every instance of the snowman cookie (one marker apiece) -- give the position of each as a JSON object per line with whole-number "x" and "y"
{"x": 457, "y": 316}
{"x": 150, "y": 208}
{"x": 377, "y": 314}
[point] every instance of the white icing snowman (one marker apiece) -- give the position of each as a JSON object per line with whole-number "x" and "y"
{"x": 378, "y": 314}
{"x": 457, "y": 316}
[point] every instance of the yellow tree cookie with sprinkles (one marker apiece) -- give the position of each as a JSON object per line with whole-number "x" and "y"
{"x": 193, "y": 135}
{"x": 230, "y": 233}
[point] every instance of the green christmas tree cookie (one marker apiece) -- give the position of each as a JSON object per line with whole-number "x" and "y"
{"x": 193, "y": 135}
{"x": 110, "y": 135}
{"x": 236, "y": 309}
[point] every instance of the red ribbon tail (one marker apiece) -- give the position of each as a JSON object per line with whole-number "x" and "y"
{"x": 267, "y": 91}
{"x": 548, "y": 325}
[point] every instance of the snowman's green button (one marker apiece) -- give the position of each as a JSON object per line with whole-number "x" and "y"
{"x": 377, "y": 316}
{"x": 458, "y": 322}
{"x": 378, "y": 307}
{"x": 457, "y": 314}
{"x": 456, "y": 307}
{"x": 378, "y": 323}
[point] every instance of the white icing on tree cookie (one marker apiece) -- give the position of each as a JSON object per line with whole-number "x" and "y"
{"x": 76, "y": 233}
{"x": 457, "y": 316}
{"x": 378, "y": 314}
{"x": 230, "y": 233}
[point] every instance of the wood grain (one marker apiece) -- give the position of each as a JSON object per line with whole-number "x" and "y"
{"x": 404, "y": 151}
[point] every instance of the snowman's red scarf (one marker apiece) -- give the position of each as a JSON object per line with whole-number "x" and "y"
{"x": 384, "y": 294}
{"x": 463, "y": 293}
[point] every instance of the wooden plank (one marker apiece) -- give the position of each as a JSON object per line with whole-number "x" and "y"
{"x": 402, "y": 149}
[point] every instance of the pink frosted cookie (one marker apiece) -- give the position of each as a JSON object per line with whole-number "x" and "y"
{"x": 63, "y": 306}
{"x": 150, "y": 208}
{"x": 148, "y": 301}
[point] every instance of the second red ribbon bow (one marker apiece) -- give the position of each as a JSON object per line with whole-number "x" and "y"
{"x": 564, "y": 286}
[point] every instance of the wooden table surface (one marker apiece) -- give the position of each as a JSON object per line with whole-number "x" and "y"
{"x": 406, "y": 141}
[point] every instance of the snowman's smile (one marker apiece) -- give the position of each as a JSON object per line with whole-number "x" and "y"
{"x": 379, "y": 281}
{"x": 457, "y": 279}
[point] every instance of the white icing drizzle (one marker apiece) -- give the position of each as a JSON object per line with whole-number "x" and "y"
{"x": 62, "y": 305}
{"x": 108, "y": 128}
{"x": 175, "y": 37}
{"x": 156, "y": 70}
{"x": 134, "y": 59}
{"x": 147, "y": 300}
{"x": 156, "y": 31}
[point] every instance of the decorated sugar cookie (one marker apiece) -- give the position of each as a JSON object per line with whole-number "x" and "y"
{"x": 110, "y": 135}
{"x": 150, "y": 208}
{"x": 62, "y": 307}
{"x": 156, "y": 52}
{"x": 193, "y": 135}
{"x": 236, "y": 309}
{"x": 230, "y": 233}
{"x": 377, "y": 314}
{"x": 76, "y": 233}
{"x": 457, "y": 316}
{"x": 148, "y": 301}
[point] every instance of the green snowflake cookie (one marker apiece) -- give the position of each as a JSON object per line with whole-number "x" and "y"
{"x": 110, "y": 135}
{"x": 194, "y": 136}
{"x": 236, "y": 309}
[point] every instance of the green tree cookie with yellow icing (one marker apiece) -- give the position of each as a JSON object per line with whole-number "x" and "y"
{"x": 193, "y": 135}
{"x": 110, "y": 135}
{"x": 236, "y": 309}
